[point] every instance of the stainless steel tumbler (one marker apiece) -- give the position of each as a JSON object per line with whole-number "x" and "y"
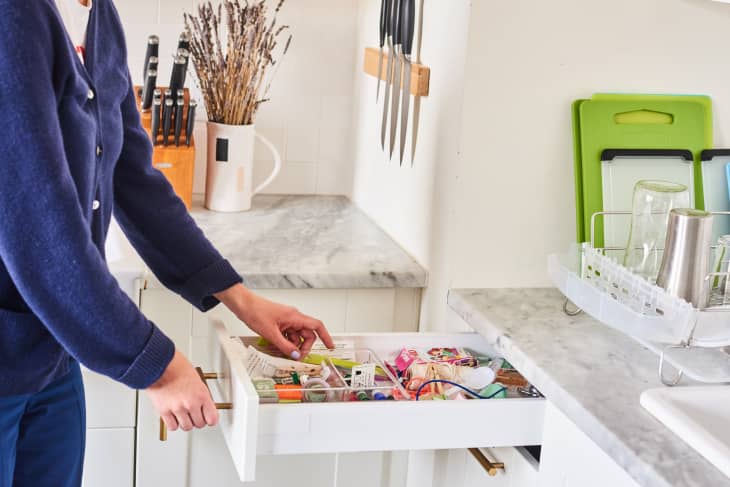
{"x": 686, "y": 261}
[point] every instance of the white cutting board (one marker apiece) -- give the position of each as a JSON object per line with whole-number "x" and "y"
{"x": 715, "y": 188}
{"x": 620, "y": 173}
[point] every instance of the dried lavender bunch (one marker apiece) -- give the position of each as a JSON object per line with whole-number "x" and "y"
{"x": 234, "y": 81}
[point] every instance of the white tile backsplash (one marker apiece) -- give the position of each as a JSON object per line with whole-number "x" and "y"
{"x": 308, "y": 117}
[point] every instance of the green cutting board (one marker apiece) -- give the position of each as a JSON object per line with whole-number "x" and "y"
{"x": 630, "y": 121}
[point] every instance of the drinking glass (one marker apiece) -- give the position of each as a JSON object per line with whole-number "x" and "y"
{"x": 720, "y": 289}
{"x": 652, "y": 202}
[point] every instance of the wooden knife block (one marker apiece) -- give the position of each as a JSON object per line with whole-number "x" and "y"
{"x": 177, "y": 163}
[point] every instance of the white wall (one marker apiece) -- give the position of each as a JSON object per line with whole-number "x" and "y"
{"x": 527, "y": 62}
{"x": 412, "y": 202}
{"x": 492, "y": 195}
{"x": 308, "y": 118}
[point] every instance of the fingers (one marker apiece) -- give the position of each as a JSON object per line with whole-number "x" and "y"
{"x": 210, "y": 413}
{"x": 183, "y": 419}
{"x": 317, "y": 327}
{"x": 196, "y": 416}
{"x": 170, "y": 421}
{"x": 284, "y": 345}
{"x": 308, "y": 341}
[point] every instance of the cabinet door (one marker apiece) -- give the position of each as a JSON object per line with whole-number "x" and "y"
{"x": 570, "y": 459}
{"x": 109, "y": 460}
{"x": 158, "y": 463}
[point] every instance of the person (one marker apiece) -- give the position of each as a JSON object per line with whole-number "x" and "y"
{"x": 72, "y": 152}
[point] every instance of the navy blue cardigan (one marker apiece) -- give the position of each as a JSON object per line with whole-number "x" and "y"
{"x": 69, "y": 135}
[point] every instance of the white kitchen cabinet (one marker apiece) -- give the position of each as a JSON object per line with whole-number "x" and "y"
{"x": 316, "y": 443}
{"x": 459, "y": 467}
{"x": 111, "y": 412}
{"x": 109, "y": 460}
{"x": 200, "y": 458}
{"x": 109, "y": 404}
{"x": 570, "y": 459}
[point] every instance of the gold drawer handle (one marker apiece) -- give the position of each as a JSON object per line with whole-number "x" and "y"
{"x": 204, "y": 376}
{"x": 490, "y": 467}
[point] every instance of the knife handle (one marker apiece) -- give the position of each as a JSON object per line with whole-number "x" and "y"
{"x": 384, "y": 10}
{"x": 153, "y": 49}
{"x": 149, "y": 89}
{"x": 186, "y": 55}
{"x": 184, "y": 40}
{"x": 167, "y": 120}
{"x": 179, "y": 120}
{"x": 178, "y": 72}
{"x": 156, "y": 113}
{"x": 153, "y": 63}
{"x": 191, "y": 122}
{"x": 395, "y": 23}
{"x": 408, "y": 20}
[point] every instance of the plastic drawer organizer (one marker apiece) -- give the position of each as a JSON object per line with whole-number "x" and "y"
{"x": 691, "y": 340}
{"x": 338, "y": 418}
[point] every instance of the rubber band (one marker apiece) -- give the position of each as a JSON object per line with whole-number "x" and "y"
{"x": 465, "y": 389}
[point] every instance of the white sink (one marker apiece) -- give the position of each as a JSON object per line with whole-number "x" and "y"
{"x": 700, "y": 415}
{"x": 123, "y": 261}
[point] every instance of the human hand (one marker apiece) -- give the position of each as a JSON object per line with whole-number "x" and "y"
{"x": 292, "y": 332}
{"x": 181, "y": 398}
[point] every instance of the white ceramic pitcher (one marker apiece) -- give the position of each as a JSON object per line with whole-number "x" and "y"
{"x": 229, "y": 181}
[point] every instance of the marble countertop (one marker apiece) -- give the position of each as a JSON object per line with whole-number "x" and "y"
{"x": 308, "y": 242}
{"x": 593, "y": 374}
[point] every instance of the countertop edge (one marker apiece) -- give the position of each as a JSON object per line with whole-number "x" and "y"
{"x": 591, "y": 426}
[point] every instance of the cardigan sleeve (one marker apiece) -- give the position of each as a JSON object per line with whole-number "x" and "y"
{"x": 45, "y": 240}
{"x": 157, "y": 222}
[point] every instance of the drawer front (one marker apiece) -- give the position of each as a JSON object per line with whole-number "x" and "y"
{"x": 250, "y": 428}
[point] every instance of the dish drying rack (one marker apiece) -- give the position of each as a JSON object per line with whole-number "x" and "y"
{"x": 690, "y": 340}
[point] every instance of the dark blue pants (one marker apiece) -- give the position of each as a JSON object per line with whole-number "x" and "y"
{"x": 42, "y": 435}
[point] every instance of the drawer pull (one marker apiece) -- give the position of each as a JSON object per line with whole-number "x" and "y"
{"x": 204, "y": 376}
{"x": 489, "y": 467}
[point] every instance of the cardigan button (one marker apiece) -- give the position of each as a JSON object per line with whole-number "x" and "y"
{"x": 90, "y": 95}
{"x": 98, "y": 151}
{"x": 95, "y": 205}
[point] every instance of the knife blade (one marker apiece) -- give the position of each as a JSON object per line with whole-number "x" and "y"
{"x": 417, "y": 99}
{"x": 384, "y": 8}
{"x": 191, "y": 122}
{"x": 407, "y": 24}
{"x": 153, "y": 49}
{"x": 167, "y": 120}
{"x": 388, "y": 73}
{"x": 156, "y": 114}
{"x": 397, "y": 68}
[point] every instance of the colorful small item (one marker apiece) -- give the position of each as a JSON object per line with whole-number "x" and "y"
{"x": 405, "y": 358}
{"x": 362, "y": 396}
{"x": 317, "y": 390}
{"x": 289, "y": 393}
{"x": 363, "y": 376}
{"x": 454, "y": 356}
{"x": 265, "y": 388}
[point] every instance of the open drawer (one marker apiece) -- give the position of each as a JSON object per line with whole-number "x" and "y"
{"x": 251, "y": 428}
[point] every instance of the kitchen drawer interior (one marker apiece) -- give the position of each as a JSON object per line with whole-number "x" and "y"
{"x": 350, "y": 373}
{"x": 383, "y": 413}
